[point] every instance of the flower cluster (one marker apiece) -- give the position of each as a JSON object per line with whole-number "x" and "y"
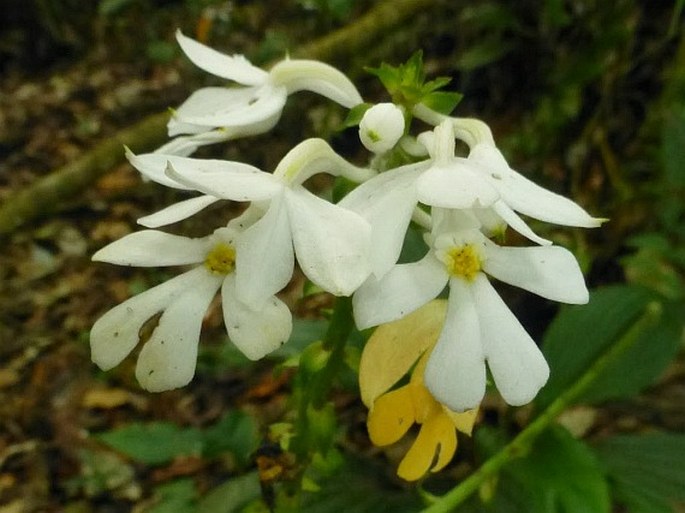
{"x": 352, "y": 248}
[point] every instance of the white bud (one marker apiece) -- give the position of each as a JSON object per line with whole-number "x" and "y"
{"x": 381, "y": 127}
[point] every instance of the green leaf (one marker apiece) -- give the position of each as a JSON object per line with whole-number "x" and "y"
{"x": 359, "y": 487}
{"x": 647, "y": 472}
{"x": 232, "y": 495}
{"x": 580, "y": 334}
{"x": 175, "y": 497}
{"x": 559, "y": 475}
{"x": 442, "y": 101}
{"x": 236, "y": 432}
{"x": 155, "y": 443}
{"x": 356, "y": 114}
{"x": 673, "y": 145}
{"x": 485, "y": 52}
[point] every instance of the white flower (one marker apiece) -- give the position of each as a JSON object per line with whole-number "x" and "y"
{"x": 332, "y": 244}
{"x": 482, "y": 182}
{"x": 213, "y": 114}
{"x": 167, "y": 359}
{"x": 479, "y": 327}
{"x": 381, "y": 127}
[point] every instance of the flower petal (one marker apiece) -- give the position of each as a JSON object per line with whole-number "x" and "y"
{"x": 224, "y": 179}
{"x": 437, "y": 438}
{"x": 332, "y": 244}
{"x": 390, "y": 417}
{"x": 168, "y": 358}
{"x": 549, "y": 271}
{"x": 264, "y": 256}
{"x": 527, "y": 197}
{"x": 512, "y": 219}
{"x": 315, "y": 76}
{"x": 455, "y": 185}
{"x": 402, "y": 290}
{"x": 517, "y": 365}
{"x": 152, "y": 166}
{"x": 455, "y": 373}
{"x": 264, "y": 103}
{"x": 394, "y": 347}
{"x": 177, "y": 212}
{"x": 387, "y": 202}
{"x": 116, "y": 333}
{"x": 255, "y": 332}
{"x": 150, "y": 248}
{"x": 234, "y": 67}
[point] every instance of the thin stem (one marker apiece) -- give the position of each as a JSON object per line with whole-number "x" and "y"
{"x": 521, "y": 444}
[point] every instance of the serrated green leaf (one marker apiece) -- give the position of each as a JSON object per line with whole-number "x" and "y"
{"x": 236, "y": 432}
{"x": 647, "y": 472}
{"x": 155, "y": 443}
{"x": 442, "y": 101}
{"x": 232, "y": 495}
{"x": 579, "y": 334}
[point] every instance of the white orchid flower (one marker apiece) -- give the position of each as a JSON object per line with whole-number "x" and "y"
{"x": 168, "y": 358}
{"x": 214, "y": 114}
{"x": 332, "y": 244}
{"x": 381, "y": 127}
{"x": 478, "y": 327}
{"x": 482, "y": 183}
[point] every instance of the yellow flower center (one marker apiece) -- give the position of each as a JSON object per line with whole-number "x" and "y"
{"x": 463, "y": 261}
{"x": 221, "y": 259}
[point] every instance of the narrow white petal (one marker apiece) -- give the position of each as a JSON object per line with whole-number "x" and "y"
{"x": 515, "y": 361}
{"x": 116, "y": 333}
{"x": 264, "y": 256}
{"x": 255, "y": 332}
{"x": 264, "y": 103}
{"x": 224, "y": 179}
{"x": 150, "y": 248}
{"x": 189, "y": 144}
{"x": 315, "y": 76}
{"x": 177, "y": 212}
{"x": 387, "y": 202}
{"x": 455, "y": 372}
{"x": 549, "y": 271}
{"x": 527, "y": 197}
{"x": 455, "y": 186}
{"x": 512, "y": 219}
{"x": 152, "y": 166}
{"x": 402, "y": 290}
{"x": 234, "y": 67}
{"x": 168, "y": 358}
{"x": 332, "y": 244}
{"x": 208, "y": 100}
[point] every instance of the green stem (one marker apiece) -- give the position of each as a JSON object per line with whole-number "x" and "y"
{"x": 521, "y": 444}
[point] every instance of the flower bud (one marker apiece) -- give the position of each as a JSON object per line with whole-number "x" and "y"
{"x": 381, "y": 127}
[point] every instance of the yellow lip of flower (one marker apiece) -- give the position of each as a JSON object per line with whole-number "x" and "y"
{"x": 393, "y": 413}
{"x": 463, "y": 261}
{"x": 221, "y": 259}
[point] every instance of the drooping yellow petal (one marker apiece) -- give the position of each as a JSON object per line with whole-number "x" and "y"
{"x": 394, "y": 347}
{"x": 391, "y": 417}
{"x": 437, "y": 442}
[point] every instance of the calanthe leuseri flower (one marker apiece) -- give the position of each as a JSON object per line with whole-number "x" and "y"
{"x": 479, "y": 327}
{"x": 213, "y": 114}
{"x": 381, "y": 127}
{"x": 332, "y": 244}
{"x": 168, "y": 358}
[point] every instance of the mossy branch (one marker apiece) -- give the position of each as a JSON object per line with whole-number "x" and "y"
{"x": 44, "y": 196}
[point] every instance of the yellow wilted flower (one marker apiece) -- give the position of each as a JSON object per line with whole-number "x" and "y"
{"x": 389, "y": 354}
